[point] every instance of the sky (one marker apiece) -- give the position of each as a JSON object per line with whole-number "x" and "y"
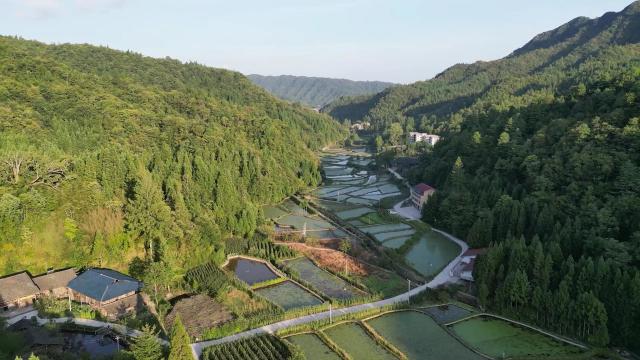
{"x": 399, "y": 41}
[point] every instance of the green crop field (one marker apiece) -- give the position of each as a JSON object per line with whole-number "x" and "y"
{"x": 498, "y": 338}
{"x": 329, "y": 284}
{"x": 353, "y": 339}
{"x": 419, "y": 337}
{"x": 288, "y": 295}
{"x": 313, "y": 347}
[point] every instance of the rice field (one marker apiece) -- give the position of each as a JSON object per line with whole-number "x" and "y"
{"x": 419, "y": 337}
{"x": 325, "y": 282}
{"x": 395, "y": 243}
{"x": 498, "y": 338}
{"x": 313, "y": 347}
{"x": 381, "y": 237}
{"x": 445, "y": 314}
{"x": 354, "y": 340}
{"x": 353, "y": 213}
{"x": 289, "y": 295}
{"x": 375, "y": 229}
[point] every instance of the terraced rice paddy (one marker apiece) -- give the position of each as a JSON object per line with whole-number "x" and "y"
{"x": 250, "y": 271}
{"x": 445, "y": 314}
{"x": 354, "y": 340}
{"x": 353, "y": 213}
{"x": 432, "y": 253}
{"x": 419, "y": 337}
{"x": 288, "y": 295}
{"x": 313, "y": 347}
{"x": 498, "y": 338}
{"x": 375, "y": 229}
{"x": 395, "y": 243}
{"x": 328, "y": 284}
{"x": 381, "y": 237}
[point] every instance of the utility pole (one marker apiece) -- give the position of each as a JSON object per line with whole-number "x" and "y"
{"x": 330, "y": 314}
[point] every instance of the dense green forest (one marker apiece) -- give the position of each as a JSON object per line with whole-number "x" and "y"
{"x": 314, "y": 91}
{"x": 554, "y": 190}
{"x": 107, "y": 155}
{"x": 530, "y": 73}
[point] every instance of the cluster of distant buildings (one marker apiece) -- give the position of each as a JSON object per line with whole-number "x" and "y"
{"x": 111, "y": 293}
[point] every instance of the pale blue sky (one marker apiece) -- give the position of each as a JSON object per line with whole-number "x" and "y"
{"x": 391, "y": 40}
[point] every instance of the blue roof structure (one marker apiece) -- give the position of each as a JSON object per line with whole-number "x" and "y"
{"x": 104, "y": 284}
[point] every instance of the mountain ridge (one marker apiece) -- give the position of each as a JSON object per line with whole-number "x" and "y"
{"x": 315, "y": 91}
{"x": 536, "y": 68}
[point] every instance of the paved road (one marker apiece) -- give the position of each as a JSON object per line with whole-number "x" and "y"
{"x": 443, "y": 277}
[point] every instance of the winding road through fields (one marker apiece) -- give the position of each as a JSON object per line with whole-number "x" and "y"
{"x": 442, "y": 278}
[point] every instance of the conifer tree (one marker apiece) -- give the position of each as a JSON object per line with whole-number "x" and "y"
{"x": 180, "y": 343}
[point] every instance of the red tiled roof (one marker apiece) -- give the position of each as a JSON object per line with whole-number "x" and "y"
{"x": 421, "y": 188}
{"x": 474, "y": 252}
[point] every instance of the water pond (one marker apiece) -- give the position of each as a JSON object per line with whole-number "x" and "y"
{"x": 313, "y": 347}
{"x": 419, "y": 337}
{"x": 498, "y": 338}
{"x": 96, "y": 346}
{"x": 250, "y": 271}
{"x": 288, "y": 295}
{"x": 432, "y": 253}
{"x": 353, "y": 339}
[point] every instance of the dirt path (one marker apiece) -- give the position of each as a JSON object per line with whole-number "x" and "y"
{"x": 84, "y": 322}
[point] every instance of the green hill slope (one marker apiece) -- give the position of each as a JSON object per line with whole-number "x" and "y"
{"x": 532, "y": 72}
{"x": 105, "y": 155}
{"x": 315, "y": 91}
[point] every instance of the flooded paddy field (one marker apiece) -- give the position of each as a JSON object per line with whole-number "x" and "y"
{"x": 288, "y": 295}
{"x": 250, "y": 271}
{"x": 325, "y": 282}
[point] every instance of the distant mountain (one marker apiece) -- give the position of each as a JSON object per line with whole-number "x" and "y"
{"x": 545, "y": 63}
{"x": 315, "y": 91}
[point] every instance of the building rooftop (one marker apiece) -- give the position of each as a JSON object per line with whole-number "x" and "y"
{"x": 54, "y": 280}
{"x": 17, "y": 286}
{"x": 421, "y": 188}
{"x": 474, "y": 252}
{"x": 104, "y": 284}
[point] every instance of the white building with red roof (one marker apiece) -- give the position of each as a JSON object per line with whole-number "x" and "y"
{"x": 420, "y": 193}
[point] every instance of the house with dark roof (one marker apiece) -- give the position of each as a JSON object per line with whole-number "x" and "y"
{"x": 420, "y": 193}
{"x": 106, "y": 291}
{"x": 17, "y": 291}
{"x": 465, "y": 268}
{"x": 54, "y": 283}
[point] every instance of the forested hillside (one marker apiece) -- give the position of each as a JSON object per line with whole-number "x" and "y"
{"x": 314, "y": 91}
{"x": 106, "y": 155}
{"x": 554, "y": 190}
{"x": 533, "y": 72}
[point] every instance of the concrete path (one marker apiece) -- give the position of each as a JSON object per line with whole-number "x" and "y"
{"x": 443, "y": 277}
{"x": 78, "y": 321}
